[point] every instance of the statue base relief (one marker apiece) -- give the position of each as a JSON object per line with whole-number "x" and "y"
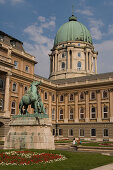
{"x": 28, "y": 132}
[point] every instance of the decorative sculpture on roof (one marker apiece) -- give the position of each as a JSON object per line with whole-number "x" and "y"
{"x": 32, "y": 97}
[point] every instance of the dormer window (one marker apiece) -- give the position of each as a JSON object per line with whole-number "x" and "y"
{"x": 13, "y": 43}
{"x": 1, "y": 38}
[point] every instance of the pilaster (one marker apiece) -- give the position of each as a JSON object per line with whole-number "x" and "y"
{"x": 50, "y": 97}
{"x": 87, "y": 106}
{"x": 111, "y": 104}
{"x": 76, "y": 115}
{"x": 99, "y": 117}
{"x": 6, "y": 103}
{"x": 66, "y": 109}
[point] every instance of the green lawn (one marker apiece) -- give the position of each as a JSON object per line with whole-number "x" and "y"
{"x": 75, "y": 161}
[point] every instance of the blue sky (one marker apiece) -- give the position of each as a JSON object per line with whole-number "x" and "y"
{"x": 35, "y": 22}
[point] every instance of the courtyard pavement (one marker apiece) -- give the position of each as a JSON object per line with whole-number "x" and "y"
{"x": 106, "y": 167}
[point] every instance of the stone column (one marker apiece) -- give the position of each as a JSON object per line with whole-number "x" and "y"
{"x": 66, "y": 109}
{"x": 90, "y": 62}
{"x": 57, "y": 111}
{"x": 99, "y": 118}
{"x": 87, "y": 107}
{"x": 96, "y": 65}
{"x": 111, "y": 104}
{"x": 49, "y": 110}
{"x": 68, "y": 60}
{"x": 6, "y": 102}
{"x": 86, "y": 61}
{"x": 76, "y": 115}
{"x": 56, "y": 62}
{"x": 53, "y": 63}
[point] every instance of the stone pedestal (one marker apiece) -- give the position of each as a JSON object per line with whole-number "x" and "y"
{"x": 30, "y": 133}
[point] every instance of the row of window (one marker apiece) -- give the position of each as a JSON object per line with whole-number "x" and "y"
{"x": 70, "y": 43}
{"x": 27, "y": 68}
{"x": 93, "y": 114}
{"x": 79, "y": 65}
{"x": 82, "y": 96}
{"x": 64, "y": 54}
{"x": 81, "y": 132}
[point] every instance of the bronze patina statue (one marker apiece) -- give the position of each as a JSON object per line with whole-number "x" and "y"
{"x": 32, "y": 97}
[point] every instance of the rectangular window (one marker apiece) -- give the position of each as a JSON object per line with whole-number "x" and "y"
{"x": 15, "y": 64}
{"x": 60, "y": 132}
{"x": 53, "y": 132}
{"x": 70, "y": 132}
{"x": 93, "y": 132}
{"x": 1, "y": 104}
{"x": 45, "y": 96}
{"x": 53, "y": 114}
{"x": 61, "y": 98}
{"x": 106, "y": 132}
{"x": 81, "y": 132}
{"x": 93, "y": 113}
{"x": 61, "y": 117}
{"x": 1, "y": 84}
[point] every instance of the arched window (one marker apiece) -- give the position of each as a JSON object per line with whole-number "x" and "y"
{"x": 46, "y": 110}
{"x": 71, "y": 114}
{"x": 14, "y": 88}
{"x": 93, "y": 112}
{"x": 63, "y": 55}
{"x": 61, "y": 98}
{"x": 61, "y": 116}
{"x": 82, "y": 113}
{"x": 93, "y": 95}
{"x": 1, "y": 104}
{"x": 82, "y": 96}
{"x": 25, "y": 89}
{"x": 13, "y": 107}
{"x": 79, "y": 54}
{"x": 1, "y": 84}
{"x": 63, "y": 65}
{"x": 53, "y": 97}
{"x": 105, "y": 112}
{"x": 79, "y": 65}
{"x": 53, "y": 114}
{"x": 105, "y": 94}
{"x": 71, "y": 97}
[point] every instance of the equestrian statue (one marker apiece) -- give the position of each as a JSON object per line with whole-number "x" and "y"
{"x": 32, "y": 97}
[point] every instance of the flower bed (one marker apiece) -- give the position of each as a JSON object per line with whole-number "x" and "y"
{"x": 28, "y": 158}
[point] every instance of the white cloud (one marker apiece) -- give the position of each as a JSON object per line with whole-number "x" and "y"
{"x": 87, "y": 12}
{"x": 16, "y": 1}
{"x": 105, "y": 56}
{"x": 95, "y": 28}
{"x": 110, "y": 29}
{"x": 2, "y": 1}
{"x": 40, "y": 44}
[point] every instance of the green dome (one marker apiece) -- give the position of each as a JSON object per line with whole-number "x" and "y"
{"x": 72, "y": 31}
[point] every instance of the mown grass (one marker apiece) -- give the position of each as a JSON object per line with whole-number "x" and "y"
{"x": 74, "y": 161}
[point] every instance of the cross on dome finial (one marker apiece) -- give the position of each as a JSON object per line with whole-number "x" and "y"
{"x": 72, "y": 10}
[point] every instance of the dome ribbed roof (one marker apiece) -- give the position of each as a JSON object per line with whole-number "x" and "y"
{"x": 72, "y": 31}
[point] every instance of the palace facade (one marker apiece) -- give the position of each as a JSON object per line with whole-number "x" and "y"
{"x": 79, "y": 101}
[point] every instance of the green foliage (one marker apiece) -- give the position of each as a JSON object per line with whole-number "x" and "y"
{"x": 75, "y": 161}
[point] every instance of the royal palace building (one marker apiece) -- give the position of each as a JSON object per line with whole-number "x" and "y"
{"x": 78, "y": 101}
